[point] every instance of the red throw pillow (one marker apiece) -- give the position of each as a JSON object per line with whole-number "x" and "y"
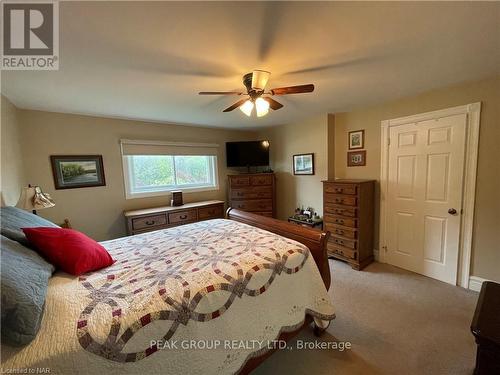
{"x": 69, "y": 250}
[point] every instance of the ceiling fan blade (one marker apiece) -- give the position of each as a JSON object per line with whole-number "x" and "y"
{"x": 292, "y": 90}
{"x": 235, "y": 105}
{"x": 220, "y": 93}
{"x": 273, "y": 103}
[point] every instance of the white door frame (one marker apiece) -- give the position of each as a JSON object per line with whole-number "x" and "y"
{"x": 472, "y": 111}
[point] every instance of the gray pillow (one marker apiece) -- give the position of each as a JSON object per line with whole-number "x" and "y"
{"x": 25, "y": 276}
{"x": 13, "y": 219}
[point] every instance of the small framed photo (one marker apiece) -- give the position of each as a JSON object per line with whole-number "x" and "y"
{"x": 356, "y": 158}
{"x": 77, "y": 171}
{"x": 303, "y": 164}
{"x": 356, "y": 139}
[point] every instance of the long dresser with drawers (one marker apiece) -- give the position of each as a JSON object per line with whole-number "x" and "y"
{"x": 149, "y": 219}
{"x": 348, "y": 213}
{"x": 253, "y": 192}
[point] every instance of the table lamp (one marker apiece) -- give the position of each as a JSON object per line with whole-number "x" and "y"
{"x": 33, "y": 198}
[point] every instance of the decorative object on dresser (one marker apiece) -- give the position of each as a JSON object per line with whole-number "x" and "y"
{"x": 303, "y": 164}
{"x": 150, "y": 219}
{"x": 33, "y": 198}
{"x": 254, "y": 193}
{"x": 307, "y": 223}
{"x": 356, "y": 158}
{"x": 306, "y": 218}
{"x": 176, "y": 198}
{"x": 348, "y": 215}
{"x": 77, "y": 171}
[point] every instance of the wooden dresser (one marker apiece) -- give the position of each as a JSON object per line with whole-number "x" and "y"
{"x": 254, "y": 193}
{"x": 348, "y": 216}
{"x": 149, "y": 219}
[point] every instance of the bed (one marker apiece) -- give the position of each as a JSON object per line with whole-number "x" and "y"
{"x": 203, "y": 298}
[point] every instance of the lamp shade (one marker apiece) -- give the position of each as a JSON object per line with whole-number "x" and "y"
{"x": 262, "y": 107}
{"x": 259, "y": 79}
{"x": 247, "y": 107}
{"x": 33, "y": 198}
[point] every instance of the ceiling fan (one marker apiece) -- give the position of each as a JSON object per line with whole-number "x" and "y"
{"x": 255, "y": 83}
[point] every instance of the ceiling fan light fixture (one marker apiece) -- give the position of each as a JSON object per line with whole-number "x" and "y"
{"x": 262, "y": 107}
{"x": 247, "y": 108}
{"x": 259, "y": 79}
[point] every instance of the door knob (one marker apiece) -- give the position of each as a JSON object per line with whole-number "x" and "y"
{"x": 452, "y": 211}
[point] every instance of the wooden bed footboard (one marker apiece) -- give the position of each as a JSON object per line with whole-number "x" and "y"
{"x": 313, "y": 239}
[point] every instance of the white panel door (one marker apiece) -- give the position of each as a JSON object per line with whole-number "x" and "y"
{"x": 425, "y": 178}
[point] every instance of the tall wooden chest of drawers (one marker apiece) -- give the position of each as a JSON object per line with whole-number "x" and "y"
{"x": 348, "y": 215}
{"x": 254, "y": 193}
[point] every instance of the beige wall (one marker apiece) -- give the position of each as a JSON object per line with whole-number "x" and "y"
{"x": 300, "y": 138}
{"x": 486, "y": 242}
{"x": 12, "y": 172}
{"x": 97, "y": 211}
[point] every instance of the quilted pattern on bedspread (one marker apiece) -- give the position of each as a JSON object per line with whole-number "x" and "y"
{"x": 168, "y": 273}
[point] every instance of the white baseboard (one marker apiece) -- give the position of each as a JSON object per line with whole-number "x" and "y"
{"x": 475, "y": 283}
{"x": 375, "y": 254}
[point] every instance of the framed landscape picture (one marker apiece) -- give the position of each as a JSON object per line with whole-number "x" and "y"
{"x": 356, "y": 158}
{"x": 77, "y": 171}
{"x": 303, "y": 164}
{"x": 356, "y": 139}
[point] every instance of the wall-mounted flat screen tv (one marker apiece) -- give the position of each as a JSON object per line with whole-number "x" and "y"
{"x": 247, "y": 154}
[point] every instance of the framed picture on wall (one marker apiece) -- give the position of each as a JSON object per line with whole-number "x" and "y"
{"x": 77, "y": 171}
{"x": 303, "y": 164}
{"x": 356, "y": 158}
{"x": 356, "y": 139}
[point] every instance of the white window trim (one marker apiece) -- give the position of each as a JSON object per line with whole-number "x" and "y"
{"x": 130, "y": 195}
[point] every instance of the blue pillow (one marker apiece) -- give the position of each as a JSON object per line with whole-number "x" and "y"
{"x": 13, "y": 219}
{"x": 25, "y": 278}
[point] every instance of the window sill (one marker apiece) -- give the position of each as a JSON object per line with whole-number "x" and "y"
{"x": 129, "y": 195}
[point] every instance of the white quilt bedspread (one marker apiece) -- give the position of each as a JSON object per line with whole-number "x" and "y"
{"x": 200, "y": 298}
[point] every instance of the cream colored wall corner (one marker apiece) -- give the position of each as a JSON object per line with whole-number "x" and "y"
{"x": 486, "y": 240}
{"x": 12, "y": 176}
{"x": 308, "y": 136}
{"x": 98, "y": 211}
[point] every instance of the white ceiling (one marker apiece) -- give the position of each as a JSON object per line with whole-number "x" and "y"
{"x": 148, "y": 60}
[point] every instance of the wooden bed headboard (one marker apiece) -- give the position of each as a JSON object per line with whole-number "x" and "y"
{"x": 313, "y": 239}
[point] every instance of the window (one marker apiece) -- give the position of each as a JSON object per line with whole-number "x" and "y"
{"x": 156, "y": 174}
{"x": 155, "y": 168}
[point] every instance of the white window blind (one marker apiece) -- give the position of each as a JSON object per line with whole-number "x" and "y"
{"x": 138, "y": 147}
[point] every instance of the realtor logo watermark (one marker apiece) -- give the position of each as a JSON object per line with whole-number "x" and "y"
{"x": 30, "y": 35}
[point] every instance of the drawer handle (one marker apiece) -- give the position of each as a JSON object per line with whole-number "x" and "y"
{"x": 339, "y": 231}
{"x": 240, "y": 194}
{"x": 340, "y": 221}
{"x": 339, "y": 190}
{"x": 338, "y": 200}
{"x": 183, "y": 217}
{"x": 340, "y": 212}
{"x": 150, "y": 222}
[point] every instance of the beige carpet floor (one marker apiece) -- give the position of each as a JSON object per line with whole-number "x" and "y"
{"x": 398, "y": 322}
